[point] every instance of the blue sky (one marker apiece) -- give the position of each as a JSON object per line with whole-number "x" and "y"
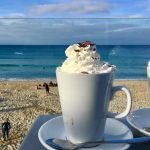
{"x": 74, "y": 8}
{"x": 131, "y": 30}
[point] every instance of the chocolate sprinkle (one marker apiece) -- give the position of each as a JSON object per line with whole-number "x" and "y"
{"x": 76, "y": 50}
{"x": 86, "y": 43}
{"x": 95, "y": 58}
{"x": 84, "y": 72}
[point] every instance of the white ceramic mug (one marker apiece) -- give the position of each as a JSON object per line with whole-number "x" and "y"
{"x": 84, "y": 101}
{"x": 148, "y": 77}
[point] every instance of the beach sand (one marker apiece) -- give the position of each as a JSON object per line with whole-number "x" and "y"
{"x": 21, "y": 102}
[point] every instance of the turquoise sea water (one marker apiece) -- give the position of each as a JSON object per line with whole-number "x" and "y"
{"x": 40, "y": 62}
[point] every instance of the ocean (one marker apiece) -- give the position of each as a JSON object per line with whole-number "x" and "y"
{"x": 34, "y": 62}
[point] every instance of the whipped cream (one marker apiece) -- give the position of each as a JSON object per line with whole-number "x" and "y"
{"x": 83, "y": 58}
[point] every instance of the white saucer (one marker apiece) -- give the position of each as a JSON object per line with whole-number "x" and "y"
{"x": 114, "y": 129}
{"x": 139, "y": 119}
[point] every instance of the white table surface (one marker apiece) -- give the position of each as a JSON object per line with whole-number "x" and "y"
{"x": 31, "y": 141}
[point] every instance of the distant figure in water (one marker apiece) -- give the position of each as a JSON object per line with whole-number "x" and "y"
{"x": 5, "y": 129}
{"x": 46, "y": 87}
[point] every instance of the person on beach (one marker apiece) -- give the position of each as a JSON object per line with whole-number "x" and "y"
{"x": 5, "y": 129}
{"x": 46, "y": 87}
{"x": 52, "y": 84}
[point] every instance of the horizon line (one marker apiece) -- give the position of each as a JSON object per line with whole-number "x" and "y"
{"x": 74, "y": 18}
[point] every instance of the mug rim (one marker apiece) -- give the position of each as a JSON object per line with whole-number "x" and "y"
{"x": 58, "y": 69}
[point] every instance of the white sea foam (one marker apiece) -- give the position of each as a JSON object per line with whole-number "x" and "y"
{"x": 18, "y": 53}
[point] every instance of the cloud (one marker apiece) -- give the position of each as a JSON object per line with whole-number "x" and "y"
{"x": 74, "y": 6}
{"x": 12, "y": 18}
{"x": 120, "y": 29}
{"x": 135, "y": 16}
{"x": 67, "y": 31}
{"x": 14, "y": 15}
{"x": 140, "y": 9}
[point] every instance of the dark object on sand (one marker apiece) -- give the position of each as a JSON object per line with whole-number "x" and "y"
{"x": 55, "y": 84}
{"x": 46, "y": 87}
{"x": 39, "y": 86}
{"x": 52, "y": 84}
{"x": 5, "y": 129}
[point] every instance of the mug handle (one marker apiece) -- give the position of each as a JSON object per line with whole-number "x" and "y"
{"x": 129, "y": 102}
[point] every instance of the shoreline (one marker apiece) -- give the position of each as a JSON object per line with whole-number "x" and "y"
{"x": 36, "y": 79}
{"x": 54, "y": 79}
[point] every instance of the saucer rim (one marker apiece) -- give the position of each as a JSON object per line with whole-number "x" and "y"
{"x": 126, "y": 146}
{"x": 128, "y": 118}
